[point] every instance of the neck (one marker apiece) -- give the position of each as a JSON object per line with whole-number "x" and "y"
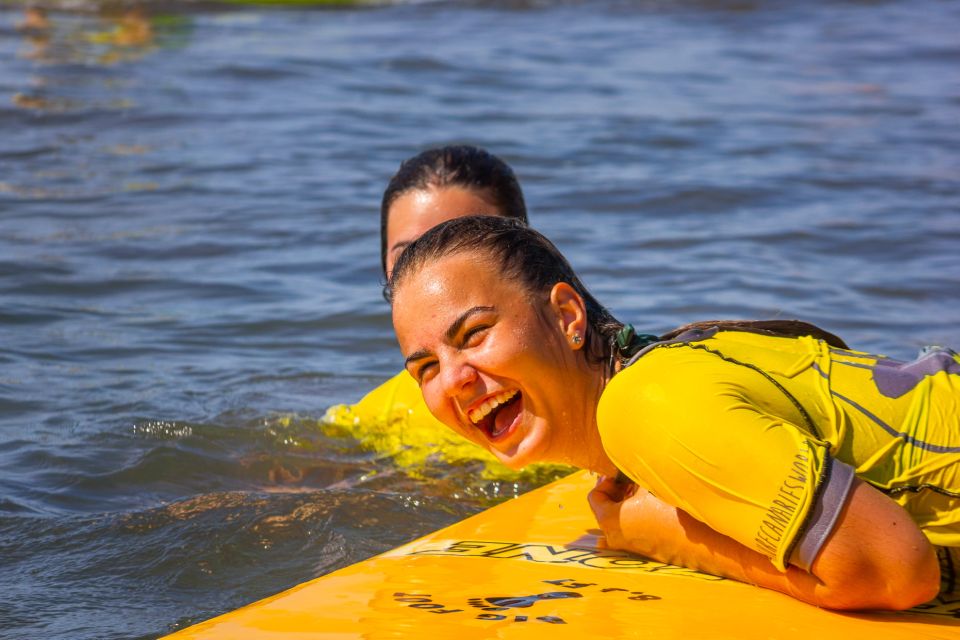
{"x": 588, "y": 452}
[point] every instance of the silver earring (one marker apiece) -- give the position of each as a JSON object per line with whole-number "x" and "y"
{"x": 577, "y": 339}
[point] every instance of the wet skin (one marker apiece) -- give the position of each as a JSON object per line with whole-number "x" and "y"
{"x": 415, "y": 212}
{"x": 498, "y": 366}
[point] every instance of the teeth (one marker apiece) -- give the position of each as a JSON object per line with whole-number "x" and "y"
{"x": 481, "y": 412}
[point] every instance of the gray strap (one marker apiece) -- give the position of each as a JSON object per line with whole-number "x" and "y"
{"x": 826, "y": 511}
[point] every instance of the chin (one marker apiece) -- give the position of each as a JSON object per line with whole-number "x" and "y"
{"x": 530, "y": 450}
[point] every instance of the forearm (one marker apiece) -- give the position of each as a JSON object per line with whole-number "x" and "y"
{"x": 655, "y": 529}
{"x": 670, "y": 535}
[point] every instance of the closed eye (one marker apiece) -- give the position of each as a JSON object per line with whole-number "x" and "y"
{"x": 425, "y": 369}
{"x": 419, "y": 363}
{"x": 474, "y": 336}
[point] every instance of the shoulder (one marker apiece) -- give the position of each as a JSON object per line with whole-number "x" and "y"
{"x": 678, "y": 388}
{"x": 658, "y": 390}
{"x": 669, "y": 370}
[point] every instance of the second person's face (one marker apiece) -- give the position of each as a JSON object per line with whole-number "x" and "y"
{"x": 416, "y": 212}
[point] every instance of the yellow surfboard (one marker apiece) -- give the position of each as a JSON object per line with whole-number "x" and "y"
{"x": 532, "y": 568}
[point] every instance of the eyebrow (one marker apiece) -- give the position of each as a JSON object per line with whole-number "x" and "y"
{"x": 451, "y": 331}
{"x": 403, "y": 244}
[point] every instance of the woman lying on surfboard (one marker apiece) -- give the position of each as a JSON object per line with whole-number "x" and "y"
{"x": 767, "y": 452}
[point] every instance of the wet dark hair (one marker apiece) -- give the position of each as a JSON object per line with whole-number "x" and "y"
{"x": 527, "y": 257}
{"x": 524, "y": 256}
{"x": 463, "y": 166}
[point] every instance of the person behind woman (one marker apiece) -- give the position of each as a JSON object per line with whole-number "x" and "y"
{"x": 431, "y": 187}
{"x": 765, "y": 452}
{"x": 441, "y": 184}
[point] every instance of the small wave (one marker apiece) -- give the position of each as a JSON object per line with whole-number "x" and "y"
{"x": 421, "y": 448}
{"x": 701, "y": 200}
{"x": 249, "y": 72}
{"x": 162, "y": 429}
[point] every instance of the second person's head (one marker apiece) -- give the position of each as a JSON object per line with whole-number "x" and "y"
{"x": 441, "y": 184}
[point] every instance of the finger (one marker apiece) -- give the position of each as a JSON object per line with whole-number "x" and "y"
{"x": 609, "y": 487}
{"x": 598, "y": 501}
{"x": 604, "y": 506}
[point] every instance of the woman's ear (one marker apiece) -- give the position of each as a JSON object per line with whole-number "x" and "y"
{"x": 571, "y": 313}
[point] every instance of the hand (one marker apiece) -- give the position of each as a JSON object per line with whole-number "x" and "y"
{"x": 607, "y": 501}
{"x": 635, "y": 520}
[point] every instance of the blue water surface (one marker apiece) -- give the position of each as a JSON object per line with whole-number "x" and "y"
{"x": 189, "y": 268}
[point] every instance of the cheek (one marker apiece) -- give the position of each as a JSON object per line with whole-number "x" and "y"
{"x": 431, "y": 397}
{"x": 540, "y": 348}
{"x": 438, "y": 405}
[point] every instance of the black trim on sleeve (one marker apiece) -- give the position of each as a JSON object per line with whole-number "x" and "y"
{"x": 948, "y": 572}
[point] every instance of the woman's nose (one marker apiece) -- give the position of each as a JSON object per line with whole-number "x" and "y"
{"x": 457, "y": 377}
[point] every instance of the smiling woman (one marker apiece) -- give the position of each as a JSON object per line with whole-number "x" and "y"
{"x": 471, "y": 352}
{"x": 480, "y": 363}
{"x": 766, "y": 452}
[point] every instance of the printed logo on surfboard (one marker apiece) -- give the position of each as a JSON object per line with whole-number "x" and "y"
{"x": 541, "y": 607}
{"x": 554, "y": 555}
{"x": 945, "y": 605}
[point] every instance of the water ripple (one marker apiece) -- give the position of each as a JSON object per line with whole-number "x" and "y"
{"x": 188, "y": 253}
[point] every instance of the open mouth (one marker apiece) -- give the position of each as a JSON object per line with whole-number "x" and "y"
{"x": 497, "y": 414}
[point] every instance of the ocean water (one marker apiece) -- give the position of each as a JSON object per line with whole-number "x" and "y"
{"x": 189, "y": 252}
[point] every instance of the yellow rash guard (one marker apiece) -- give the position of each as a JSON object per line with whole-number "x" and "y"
{"x": 396, "y": 399}
{"x": 393, "y": 418}
{"x": 760, "y": 437}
